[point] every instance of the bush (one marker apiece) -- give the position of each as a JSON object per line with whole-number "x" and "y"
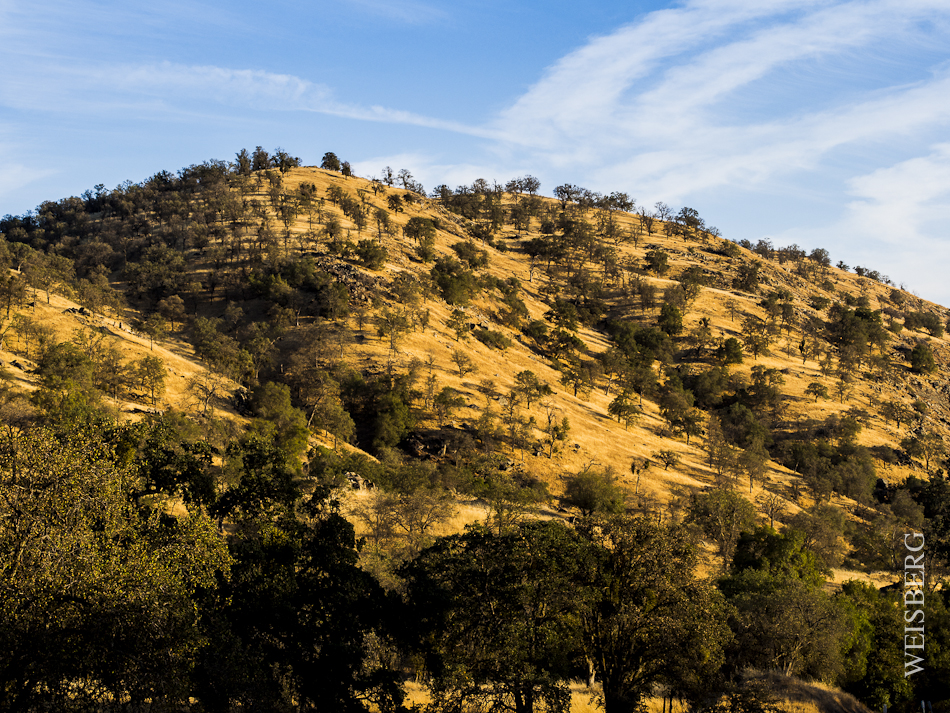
{"x": 593, "y": 492}
{"x": 641, "y": 345}
{"x": 419, "y": 228}
{"x": 471, "y": 254}
{"x": 924, "y": 320}
{"x": 658, "y": 262}
{"x": 922, "y": 359}
{"x": 493, "y": 339}
{"x": 730, "y": 249}
{"x": 747, "y": 278}
{"x": 671, "y": 319}
{"x": 730, "y": 352}
{"x": 426, "y": 249}
{"x": 537, "y": 331}
{"x": 371, "y": 254}
{"x": 456, "y": 284}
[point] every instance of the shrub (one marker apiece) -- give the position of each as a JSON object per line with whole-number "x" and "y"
{"x": 418, "y": 228}
{"x": 456, "y": 284}
{"x": 593, "y": 492}
{"x": 671, "y": 320}
{"x": 730, "y": 249}
{"x": 471, "y": 254}
{"x": 537, "y": 331}
{"x": 658, "y": 262}
{"x": 922, "y": 359}
{"x": 371, "y": 254}
{"x": 493, "y": 339}
{"x": 747, "y": 278}
{"x": 426, "y": 249}
{"x": 819, "y": 302}
{"x": 730, "y": 352}
{"x": 924, "y": 320}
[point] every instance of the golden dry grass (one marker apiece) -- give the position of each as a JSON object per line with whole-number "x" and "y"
{"x": 595, "y": 440}
{"x": 113, "y": 331}
{"x": 797, "y": 696}
{"x": 791, "y": 694}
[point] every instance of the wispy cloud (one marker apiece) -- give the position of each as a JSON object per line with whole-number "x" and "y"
{"x": 654, "y": 97}
{"x": 895, "y": 222}
{"x": 15, "y": 174}
{"x": 738, "y": 98}
{"x": 170, "y": 87}
{"x": 710, "y": 96}
{"x": 406, "y": 11}
{"x": 910, "y": 198}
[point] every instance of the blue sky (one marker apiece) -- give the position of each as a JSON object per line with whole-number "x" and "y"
{"x": 818, "y": 122}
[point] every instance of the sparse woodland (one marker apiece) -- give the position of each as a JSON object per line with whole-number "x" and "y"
{"x": 282, "y": 438}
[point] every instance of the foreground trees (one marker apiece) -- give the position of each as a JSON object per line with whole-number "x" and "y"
{"x": 782, "y": 617}
{"x": 97, "y": 595}
{"x": 506, "y": 619}
{"x": 499, "y": 616}
{"x": 108, "y": 602}
{"x": 295, "y": 625}
{"x": 650, "y": 619}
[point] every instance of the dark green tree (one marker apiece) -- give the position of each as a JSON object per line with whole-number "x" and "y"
{"x": 418, "y": 228}
{"x": 650, "y": 619}
{"x": 874, "y": 665}
{"x": 730, "y": 351}
{"x": 499, "y": 616}
{"x": 272, "y": 406}
{"x": 98, "y": 593}
{"x": 330, "y": 162}
{"x": 658, "y": 262}
{"x": 723, "y": 515}
{"x": 671, "y": 319}
{"x": 593, "y": 492}
{"x": 783, "y": 619}
{"x": 922, "y": 358}
{"x": 530, "y": 388}
{"x": 747, "y": 277}
{"x": 294, "y": 626}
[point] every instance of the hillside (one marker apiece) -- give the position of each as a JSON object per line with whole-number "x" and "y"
{"x": 615, "y": 270}
{"x": 485, "y": 353}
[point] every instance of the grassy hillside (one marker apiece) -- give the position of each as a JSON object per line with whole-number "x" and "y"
{"x": 485, "y": 354}
{"x": 213, "y": 277}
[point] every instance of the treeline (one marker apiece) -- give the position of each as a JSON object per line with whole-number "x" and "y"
{"x": 111, "y": 602}
{"x": 806, "y": 264}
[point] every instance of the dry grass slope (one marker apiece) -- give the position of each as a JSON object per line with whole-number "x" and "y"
{"x": 595, "y": 439}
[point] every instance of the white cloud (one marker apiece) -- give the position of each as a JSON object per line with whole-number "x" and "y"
{"x": 14, "y": 174}
{"x": 895, "y": 223}
{"x": 905, "y": 200}
{"x": 175, "y": 88}
{"x": 659, "y": 108}
{"x": 586, "y": 89}
{"x": 651, "y": 102}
